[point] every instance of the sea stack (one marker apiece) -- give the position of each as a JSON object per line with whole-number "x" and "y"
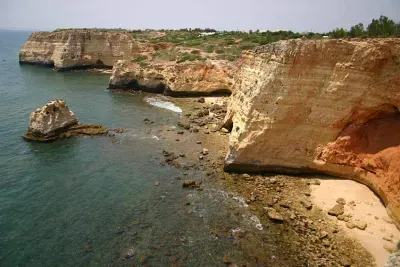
{"x": 54, "y": 120}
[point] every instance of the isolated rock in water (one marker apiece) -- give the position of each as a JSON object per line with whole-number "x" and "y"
{"x": 53, "y": 116}
{"x": 55, "y": 120}
{"x": 329, "y": 106}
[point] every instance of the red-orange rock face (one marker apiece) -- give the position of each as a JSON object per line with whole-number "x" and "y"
{"x": 321, "y": 106}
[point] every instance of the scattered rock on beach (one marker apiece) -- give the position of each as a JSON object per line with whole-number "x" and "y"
{"x": 341, "y": 201}
{"x": 306, "y": 204}
{"x": 273, "y": 215}
{"x": 361, "y": 224}
{"x": 338, "y": 209}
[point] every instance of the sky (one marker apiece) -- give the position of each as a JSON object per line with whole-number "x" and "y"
{"x": 295, "y": 15}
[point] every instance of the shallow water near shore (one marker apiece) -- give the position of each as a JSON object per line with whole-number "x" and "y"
{"x": 62, "y": 202}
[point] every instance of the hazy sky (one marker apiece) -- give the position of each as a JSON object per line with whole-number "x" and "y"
{"x": 296, "y": 15}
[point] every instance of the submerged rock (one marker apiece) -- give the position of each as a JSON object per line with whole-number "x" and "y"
{"x": 54, "y": 120}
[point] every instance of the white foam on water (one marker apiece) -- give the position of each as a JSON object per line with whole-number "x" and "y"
{"x": 158, "y": 102}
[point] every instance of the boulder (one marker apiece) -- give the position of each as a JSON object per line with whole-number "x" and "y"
{"x": 337, "y": 210}
{"x": 273, "y": 215}
{"x": 329, "y": 106}
{"x": 54, "y": 120}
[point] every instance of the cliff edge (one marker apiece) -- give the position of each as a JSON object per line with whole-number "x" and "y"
{"x": 329, "y": 106}
{"x": 72, "y": 49}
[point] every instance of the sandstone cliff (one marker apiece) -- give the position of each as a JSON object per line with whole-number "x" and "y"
{"x": 176, "y": 79}
{"x": 326, "y": 106}
{"x": 70, "y": 49}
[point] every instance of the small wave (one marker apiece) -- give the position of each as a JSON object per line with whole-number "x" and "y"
{"x": 157, "y": 102}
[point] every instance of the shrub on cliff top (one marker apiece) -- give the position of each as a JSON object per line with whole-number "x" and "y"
{"x": 139, "y": 59}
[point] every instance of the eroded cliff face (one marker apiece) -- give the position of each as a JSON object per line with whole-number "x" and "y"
{"x": 70, "y": 49}
{"x": 175, "y": 79}
{"x": 326, "y": 106}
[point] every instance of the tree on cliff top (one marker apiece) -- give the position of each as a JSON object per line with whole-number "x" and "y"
{"x": 382, "y": 27}
{"x": 357, "y": 30}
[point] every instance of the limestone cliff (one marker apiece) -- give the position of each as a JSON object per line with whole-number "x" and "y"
{"x": 55, "y": 120}
{"x": 326, "y": 106}
{"x": 176, "y": 79}
{"x": 70, "y": 49}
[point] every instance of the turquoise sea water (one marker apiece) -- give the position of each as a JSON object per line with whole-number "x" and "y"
{"x": 61, "y": 202}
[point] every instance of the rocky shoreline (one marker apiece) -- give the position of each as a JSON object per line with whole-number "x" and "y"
{"x": 296, "y": 106}
{"x": 283, "y": 203}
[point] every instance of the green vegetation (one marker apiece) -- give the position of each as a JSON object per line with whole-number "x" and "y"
{"x": 201, "y": 44}
{"x": 139, "y": 59}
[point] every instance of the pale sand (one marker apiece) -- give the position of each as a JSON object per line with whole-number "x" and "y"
{"x": 368, "y": 208}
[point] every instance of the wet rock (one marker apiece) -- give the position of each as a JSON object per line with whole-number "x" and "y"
{"x": 350, "y": 225}
{"x": 186, "y": 202}
{"x": 184, "y": 125}
{"x": 361, "y": 224}
{"x": 147, "y": 121}
{"x": 144, "y": 259}
{"x": 173, "y": 259}
{"x": 214, "y": 234}
{"x": 118, "y": 130}
{"x": 338, "y": 209}
{"x": 306, "y": 204}
{"x": 227, "y": 259}
{"x": 341, "y": 201}
{"x": 87, "y": 248}
{"x": 129, "y": 253}
{"x": 191, "y": 184}
{"x": 201, "y": 100}
{"x": 119, "y": 231}
{"x": 157, "y": 183}
{"x": 273, "y": 215}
